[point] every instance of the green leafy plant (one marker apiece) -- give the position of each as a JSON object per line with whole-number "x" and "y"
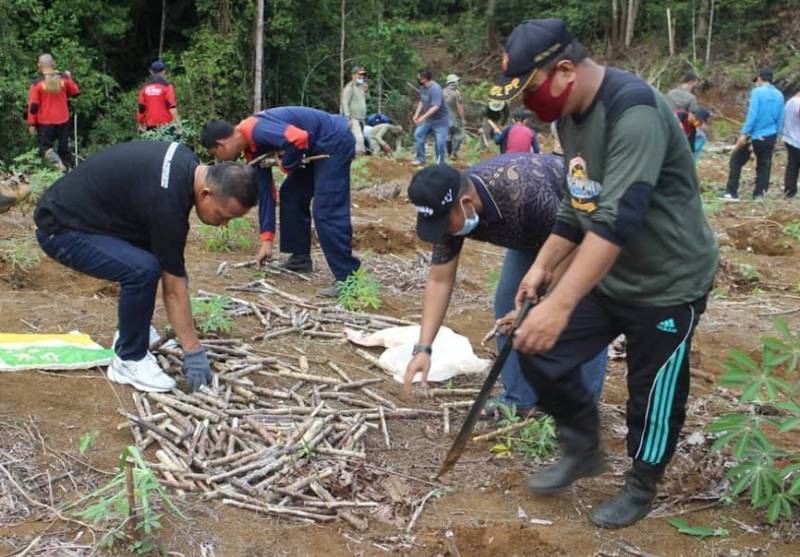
{"x": 210, "y": 314}
{"x": 22, "y": 254}
{"x": 360, "y": 291}
{"x": 536, "y": 439}
{"x": 792, "y": 229}
{"x": 87, "y": 441}
{"x": 492, "y": 279}
{"x": 109, "y": 505}
{"x": 749, "y": 273}
{"x": 236, "y": 235}
{"x": 699, "y": 532}
{"x": 768, "y": 407}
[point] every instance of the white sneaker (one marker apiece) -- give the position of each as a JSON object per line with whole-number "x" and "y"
{"x": 730, "y": 197}
{"x": 154, "y": 337}
{"x": 143, "y": 375}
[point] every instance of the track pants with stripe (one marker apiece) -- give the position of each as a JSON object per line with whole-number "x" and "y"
{"x": 658, "y": 346}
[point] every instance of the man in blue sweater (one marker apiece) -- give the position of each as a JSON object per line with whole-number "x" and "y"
{"x": 761, "y": 129}
{"x": 294, "y": 132}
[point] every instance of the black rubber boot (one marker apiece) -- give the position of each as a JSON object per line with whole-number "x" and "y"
{"x": 633, "y": 501}
{"x": 581, "y": 456}
{"x": 298, "y": 263}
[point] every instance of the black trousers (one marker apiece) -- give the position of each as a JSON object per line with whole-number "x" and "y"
{"x": 763, "y": 149}
{"x": 792, "y": 171}
{"x": 48, "y": 134}
{"x": 658, "y": 346}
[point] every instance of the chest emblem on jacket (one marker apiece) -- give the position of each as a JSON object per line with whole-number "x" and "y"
{"x": 583, "y": 191}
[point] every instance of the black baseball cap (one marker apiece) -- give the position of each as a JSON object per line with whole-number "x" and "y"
{"x": 158, "y": 66}
{"x": 765, "y": 74}
{"x": 701, "y": 113}
{"x": 531, "y": 45}
{"x": 433, "y": 191}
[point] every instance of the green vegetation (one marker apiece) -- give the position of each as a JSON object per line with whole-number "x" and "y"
{"x": 766, "y": 465}
{"x": 21, "y": 254}
{"x": 360, "y": 291}
{"x": 699, "y": 532}
{"x": 87, "y": 440}
{"x": 492, "y": 279}
{"x": 210, "y": 314}
{"x": 749, "y": 273}
{"x": 792, "y": 229}
{"x": 234, "y": 236}
{"x": 109, "y": 506}
{"x": 536, "y": 439}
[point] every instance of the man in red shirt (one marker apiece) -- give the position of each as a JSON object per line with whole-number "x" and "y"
{"x": 517, "y": 137}
{"x": 48, "y": 112}
{"x": 157, "y": 106}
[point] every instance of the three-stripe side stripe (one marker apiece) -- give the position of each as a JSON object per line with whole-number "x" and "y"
{"x": 653, "y": 443}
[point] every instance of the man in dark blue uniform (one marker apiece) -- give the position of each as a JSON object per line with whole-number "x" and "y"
{"x": 296, "y": 132}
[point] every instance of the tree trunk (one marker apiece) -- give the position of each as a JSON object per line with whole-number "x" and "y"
{"x": 163, "y": 26}
{"x": 341, "y": 55}
{"x": 491, "y": 26}
{"x": 670, "y": 33}
{"x": 259, "y": 70}
{"x": 380, "y": 58}
{"x": 694, "y": 32}
{"x": 630, "y": 21}
{"x": 710, "y": 30}
{"x": 615, "y": 23}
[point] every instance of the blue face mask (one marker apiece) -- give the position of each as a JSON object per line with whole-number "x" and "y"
{"x": 470, "y": 223}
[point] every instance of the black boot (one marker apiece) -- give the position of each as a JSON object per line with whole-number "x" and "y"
{"x": 581, "y": 456}
{"x": 298, "y": 263}
{"x": 633, "y": 501}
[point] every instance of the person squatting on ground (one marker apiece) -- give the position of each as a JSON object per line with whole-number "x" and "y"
{"x": 48, "y": 112}
{"x": 321, "y": 187}
{"x": 380, "y": 134}
{"x": 509, "y": 201}
{"x": 455, "y": 109}
{"x": 123, "y": 216}
{"x": 354, "y": 106}
{"x": 644, "y": 261}
{"x": 761, "y": 128}
{"x": 157, "y": 105}
{"x": 791, "y": 138}
{"x": 693, "y": 123}
{"x": 517, "y": 137}
{"x": 430, "y": 117}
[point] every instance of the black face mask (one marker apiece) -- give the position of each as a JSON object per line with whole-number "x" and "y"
{"x": 420, "y": 82}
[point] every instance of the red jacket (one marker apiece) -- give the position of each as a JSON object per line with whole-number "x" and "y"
{"x": 156, "y": 99}
{"x": 45, "y": 107}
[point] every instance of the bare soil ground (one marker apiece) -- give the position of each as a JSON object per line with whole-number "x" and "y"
{"x": 484, "y": 509}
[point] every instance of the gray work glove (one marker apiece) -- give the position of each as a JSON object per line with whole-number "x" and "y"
{"x": 196, "y": 368}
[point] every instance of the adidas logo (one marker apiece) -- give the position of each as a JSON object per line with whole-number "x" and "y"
{"x": 668, "y": 326}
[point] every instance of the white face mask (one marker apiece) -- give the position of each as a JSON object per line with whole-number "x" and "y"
{"x": 470, "y": 223}
{"x": 359, "y": 81}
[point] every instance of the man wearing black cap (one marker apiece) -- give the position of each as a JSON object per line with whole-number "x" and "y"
{"x": 692, "y": 122}
{"x": 761, "y": 128}
{"x": 643, "y": 261}
{"x": 509, "y": 201}
{"x": 157, "y": 105}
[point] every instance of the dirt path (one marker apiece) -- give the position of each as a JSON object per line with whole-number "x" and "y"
{"x": 483, "y": 507}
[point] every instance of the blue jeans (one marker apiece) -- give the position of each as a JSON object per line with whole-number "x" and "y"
{"x": 421, "y": 135}
{"x": 517, "y": 389}
{"x": 110, "y": 258}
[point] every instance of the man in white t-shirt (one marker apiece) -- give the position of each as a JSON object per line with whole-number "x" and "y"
{"x": 791, "y": 138}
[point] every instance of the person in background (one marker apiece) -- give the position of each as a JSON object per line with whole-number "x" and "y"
{"x": 48, "y": 112}
{"x": 455, "y": 108}
{"x": 517, "y": 137}
{"x": 321, "y": 187}
{"x": 496, "y": 117}
{"x": 354, "y": 106}
{"x": 157, "y": 105}
{"x": 693, "y": 123}
{"x": 123, "y": 216}
{"x": 381, "y": 134}
{"x": 682, "y": 97}
{"x": 431, "y": 116}
{"x": 508, "y": 201}
{"x": 791, "y": 138}
{"x": 760, "y": 129}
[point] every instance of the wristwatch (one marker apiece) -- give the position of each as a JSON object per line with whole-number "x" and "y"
{"x": 426, "y": 348}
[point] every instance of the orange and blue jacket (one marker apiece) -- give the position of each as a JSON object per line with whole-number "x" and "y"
{"x": 294, "y": 131}
{"x": 46, "y": 108}
{"x": 156, "y": 99}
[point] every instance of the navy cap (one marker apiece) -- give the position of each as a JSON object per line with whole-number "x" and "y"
{"x": 158, "y": 66}
{"x": 702, "y": 114}
{"x": 433, "y": 191}
{"x": 765, "y": 74}
{"x": 531, "y": 45}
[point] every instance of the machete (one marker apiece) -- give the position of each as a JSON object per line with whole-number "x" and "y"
{"x": 466, "y": 430}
